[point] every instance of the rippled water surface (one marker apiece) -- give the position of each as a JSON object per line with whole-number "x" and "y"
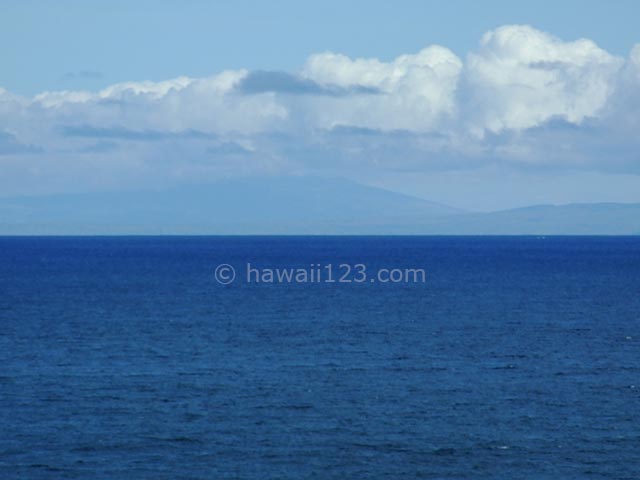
{"x": 518, "y": 358}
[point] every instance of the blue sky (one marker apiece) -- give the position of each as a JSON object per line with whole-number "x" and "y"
{"x": 480, "y": 105}
{"x": 49, "y": 45}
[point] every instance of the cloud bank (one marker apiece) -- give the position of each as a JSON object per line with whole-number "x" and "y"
{"x": 523, "y": 98}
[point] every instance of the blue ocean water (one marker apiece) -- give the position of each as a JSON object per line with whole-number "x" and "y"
{"x": 518, "y": 358}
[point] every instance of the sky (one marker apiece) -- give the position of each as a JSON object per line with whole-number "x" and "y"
{"x": 480, "y": 105}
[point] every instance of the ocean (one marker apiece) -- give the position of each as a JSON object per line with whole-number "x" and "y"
{"x": 127, "y": 357}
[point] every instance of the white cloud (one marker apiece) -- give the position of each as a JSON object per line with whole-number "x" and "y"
{"x": 521, "y": 77}
{"x": 417, "y": 92}
{"x": 522, "y": 97}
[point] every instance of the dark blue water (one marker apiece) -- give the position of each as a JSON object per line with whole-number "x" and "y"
{"x": 518, "y": 358}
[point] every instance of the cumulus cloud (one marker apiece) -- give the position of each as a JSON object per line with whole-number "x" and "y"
{"x": 418, "y": 91}
{"x": 521, "y": 77}
{"x": 522, "y": 97}
{"x": 286, "y": 83}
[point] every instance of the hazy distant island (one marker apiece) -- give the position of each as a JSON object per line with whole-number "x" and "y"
{"x": 295, "y": 205}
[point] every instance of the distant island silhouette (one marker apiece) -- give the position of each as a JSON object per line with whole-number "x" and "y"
{"x": 295, "y": 205}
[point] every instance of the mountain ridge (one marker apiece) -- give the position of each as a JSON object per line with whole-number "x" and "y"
{"x": 296, "y": 205}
